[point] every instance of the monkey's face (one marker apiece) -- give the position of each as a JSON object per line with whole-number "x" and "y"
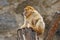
{"x": 28, "y": 10}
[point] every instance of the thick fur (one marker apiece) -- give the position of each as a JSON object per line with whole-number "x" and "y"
{"x": 33, "y": 19}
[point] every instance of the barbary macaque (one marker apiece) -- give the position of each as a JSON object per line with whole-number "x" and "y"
{"x": 33, "y": 19}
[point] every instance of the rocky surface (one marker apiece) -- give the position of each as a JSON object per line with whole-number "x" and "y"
{"x": 11, "y": 14}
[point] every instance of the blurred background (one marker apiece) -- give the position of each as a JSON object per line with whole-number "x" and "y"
{"x": 11, "y": 15}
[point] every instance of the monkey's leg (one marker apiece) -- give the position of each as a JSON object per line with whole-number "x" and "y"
{"x": 38, "y": 26}
{"x": 38, "y": 30}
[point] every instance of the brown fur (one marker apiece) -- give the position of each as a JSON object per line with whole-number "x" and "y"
{"x": 33, "y": 20}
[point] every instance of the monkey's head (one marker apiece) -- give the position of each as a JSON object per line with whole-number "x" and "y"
{"x": 28, "y": 10}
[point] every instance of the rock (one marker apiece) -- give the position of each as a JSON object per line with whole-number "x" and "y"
{"x": 9, "y": 20}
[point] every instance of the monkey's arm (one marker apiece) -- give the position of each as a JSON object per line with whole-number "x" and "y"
{"x": 24, "y": 25}
{"x": 41, "y": 26}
